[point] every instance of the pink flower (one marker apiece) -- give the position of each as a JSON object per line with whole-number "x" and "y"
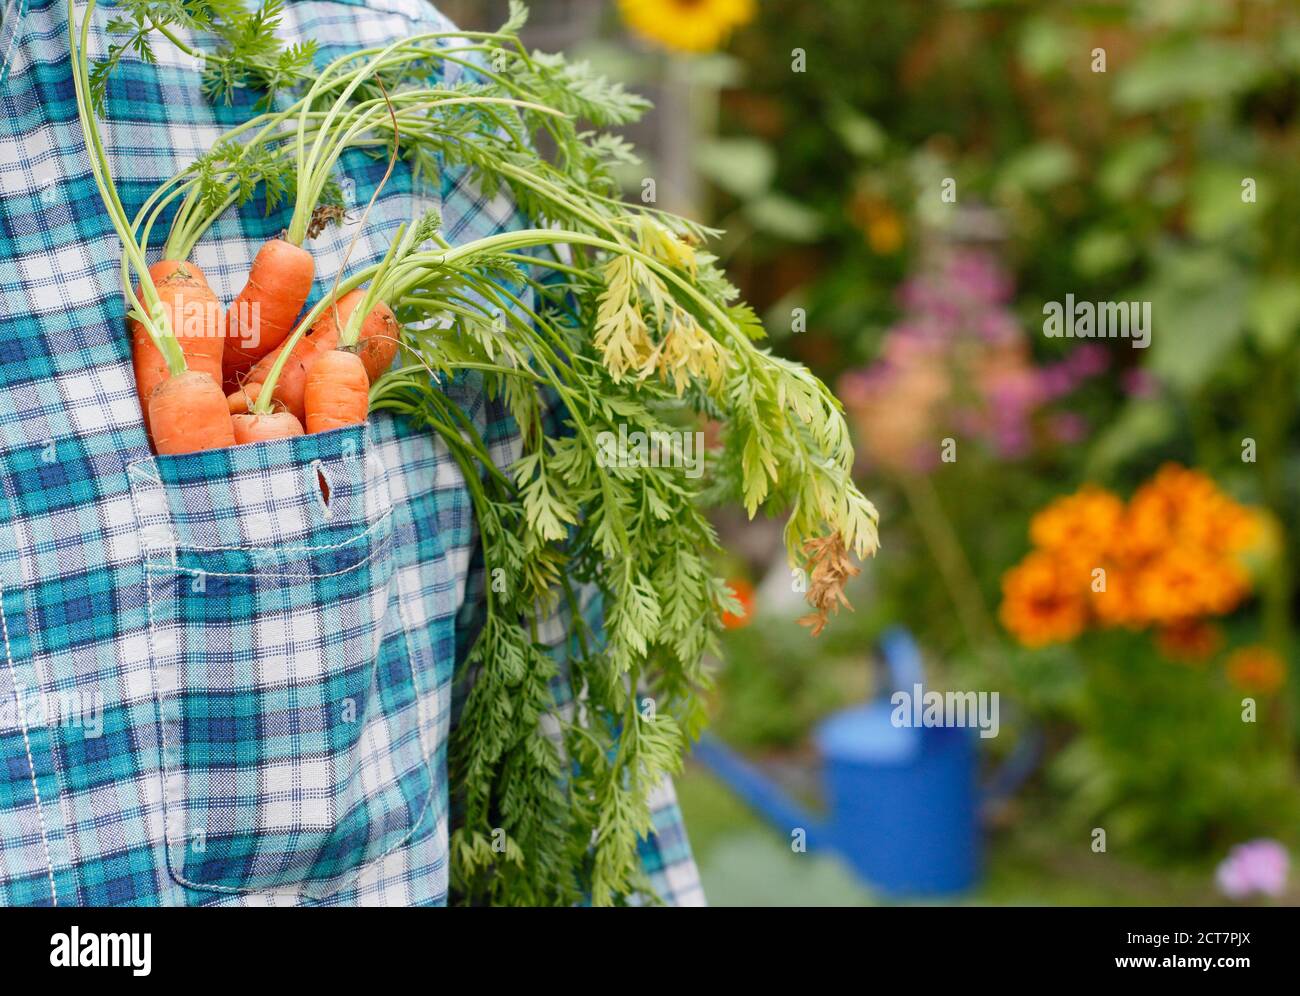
{"x": 1257, "y": 867}
{"x": 959, "y": 359}
{"x": 1057, "y": 381}
{"x": 1138, "y": 383}
{"x": 1088, "y": 360}
{"x": 1068, "y": 427}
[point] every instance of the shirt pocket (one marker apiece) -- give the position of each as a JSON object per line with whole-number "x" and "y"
{"x": 290, "y": 735}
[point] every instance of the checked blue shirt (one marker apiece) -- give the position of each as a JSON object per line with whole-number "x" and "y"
{"x": 220, "y": 683}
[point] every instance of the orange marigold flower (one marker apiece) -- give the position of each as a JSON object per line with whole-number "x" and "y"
{"x": 1185, "y": 506}
{"x": 1148, "y": 525}
{"x": 1245, "y": 529}
{"x": 1256, "y": 669}
{"x": 1117, "y": 605}
{"x": 1189, "y": 641}
{"x": 1183, "y": 582}
{"x": 744, "y": 593}
{"x": 1081, "y": 526}
{"x": 1178, "y": 551}
{"x": 1042, "y": 601}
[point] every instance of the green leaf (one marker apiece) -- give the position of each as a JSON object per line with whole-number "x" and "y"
{"x": 1215, "y": 206}
{"x": 1142, "y": 426}
{"x": 1131, "y": 164}
{"x": 1198, "y": 304}
{"x": 1187, "y": 68}
{"x": 1047, "y": 46}
{"x": 743, "y": 167}
{"x": 1274, "y": 311}
{"x": 860, "y": 134}
{"x": 1038, "y": 168}
{"x": 785, "y": 218}
{"x": 1102, "y": 250}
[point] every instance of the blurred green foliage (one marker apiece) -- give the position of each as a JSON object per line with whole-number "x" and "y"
{"x": 1169, "y": 177}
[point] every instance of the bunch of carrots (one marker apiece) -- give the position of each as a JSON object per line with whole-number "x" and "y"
{"x": 208, "y": 377}
{"x": 230, "y": 357}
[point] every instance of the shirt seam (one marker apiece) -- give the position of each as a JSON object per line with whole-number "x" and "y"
{"x": 16, "y": 17}
{"x": 31, "y": 763}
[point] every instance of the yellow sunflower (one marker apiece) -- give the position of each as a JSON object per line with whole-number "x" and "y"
{"x": 686, "y": 25}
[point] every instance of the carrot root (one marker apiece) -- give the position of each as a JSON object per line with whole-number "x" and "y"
{"x": 378, "y": 343}
{"x": 264, "y": 312}
{"x": 194, "y": 313}
{"x": 189, "y": 413}
{"x": 250, "y": 428}
{"x": 241, "y": 402}
{"x": 337, "y": 392}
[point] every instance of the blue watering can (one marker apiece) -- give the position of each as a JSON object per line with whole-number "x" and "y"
{"x": 902, "y": 802}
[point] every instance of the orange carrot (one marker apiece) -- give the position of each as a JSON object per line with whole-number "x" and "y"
{"x": 194, "y": 314}
{"x": 189, "y": 413}
{"x": 338, "y": 391}
{"x": 377, "y": 340}
{"x": 378, "y": 343}
{"x": 377, "y": 346}
{"x": 241, "y": 402}
{"x": 290, "y": 385}
{"x": 264, "y": 312}
{"x": 196, "y": 319}
{"x": 259, "y": 428}
{"x": 325, "y": 332}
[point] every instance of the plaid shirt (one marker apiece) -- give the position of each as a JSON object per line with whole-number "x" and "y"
{"x": 217, "y": 684}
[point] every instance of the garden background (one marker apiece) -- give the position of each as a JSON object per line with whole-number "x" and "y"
{"x": 1103, "y": 534}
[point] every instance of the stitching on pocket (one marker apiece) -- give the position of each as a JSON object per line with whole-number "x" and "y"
{"x": 174, "y": 547}
{"x": 156, "y": 665}
{"x": 420, "y": 704}
{"x": 385, "y": 545}
{"x": 172, "y": 765}
{"x": 136, "y": 469}
{"x": 367, "y": 454}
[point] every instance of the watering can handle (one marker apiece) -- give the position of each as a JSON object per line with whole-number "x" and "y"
{"x": 901, "y": 659}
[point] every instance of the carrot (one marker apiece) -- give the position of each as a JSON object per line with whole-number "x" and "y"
{"x": 377, "y": 340}
{"x": 251, "y": 428}
{"x": 376, "y": 347}
{"x": 378, "y": 343}
{"x": 241, "y": 402}
{"x": 263, "y": 313}
{"x": 290, "y": 385}
{"x": 194, "y": 314}
{"x": 338, "y": 391}
{"x": 189, "y": 413}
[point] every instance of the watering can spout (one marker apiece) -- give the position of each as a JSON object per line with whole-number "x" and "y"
{"x": 756, "y": 790}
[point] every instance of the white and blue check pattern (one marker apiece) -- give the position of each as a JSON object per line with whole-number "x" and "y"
{"x": 265, "y": 665}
